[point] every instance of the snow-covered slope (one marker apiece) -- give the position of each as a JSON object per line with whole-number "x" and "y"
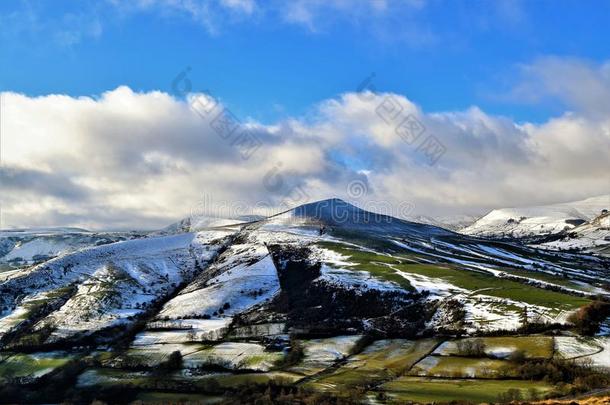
{"x": 99, "y": 287}
{"x": 592, "y": 236}
{"x": 537, "y": 221}
{"x": 24, "y": 247}
{"x": 451, "y": 222}
{"x": 195, "y": 223}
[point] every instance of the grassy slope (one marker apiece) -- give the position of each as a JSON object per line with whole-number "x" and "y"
{"x": 25, "y": 365}
{"x": 546, "y": 277}
{"x": 463, "y": 367}
{"x": 496, "y": 287}
{"x": 532, "y": 347}
{"x": 384, "y": 266}
{"x": 379, "y": 362}
{"x": 442, "y": 390}
{"x": 375, "y": 264}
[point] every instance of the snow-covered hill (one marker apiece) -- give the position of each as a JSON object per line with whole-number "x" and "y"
{"x": 25, "y": 247}
{"x": 592, "y": 236}
{"x": 532, "y": 222}
{"x": 451, "y": 222}
{"x": 98, "y": 287}
{"x": 198, "y": 223}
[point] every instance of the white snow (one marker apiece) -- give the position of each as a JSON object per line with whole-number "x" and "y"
{"x": 115, "y": 281}
{"x": 322, "y": 353}
{"x": 436, "y": 286}
{"x": 355, "y": 279}
{"x": 538, "y": 220}
{"x": 241, "y": 287}
{"x": 595, "y": 350}
{"x": 234, "y": 356}
{"x": 602, "y": 359}
{"x": 570, "y": 347}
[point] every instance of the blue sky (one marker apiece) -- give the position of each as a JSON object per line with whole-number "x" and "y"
{"x": 265, "y": 64}
{"x": 513, "y": 95}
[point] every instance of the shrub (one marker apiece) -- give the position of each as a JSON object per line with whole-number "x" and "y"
{"x": 275, "y": 392}
{"x": 558, "y": 371}
{"x": 173, "y": 362}
{"x": 518, "y": 356}
{"x": 512, "y": 394}
{"x": 587, "y": 320}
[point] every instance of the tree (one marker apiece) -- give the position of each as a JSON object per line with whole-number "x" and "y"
{"x": 524, "y": 316}
{"x": 173, "y": 362}
{"x": 589, "y": 318}
{"x": 471, "y": 347}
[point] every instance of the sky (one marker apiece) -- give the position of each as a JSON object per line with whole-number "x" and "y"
{"x": 133, "y": 114}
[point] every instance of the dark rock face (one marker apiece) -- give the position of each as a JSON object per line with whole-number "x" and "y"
{"x": 316, "y": 307}
{"x": 575, "y": 222}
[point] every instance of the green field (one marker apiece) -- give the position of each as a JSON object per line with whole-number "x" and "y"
{"x": 427, "y": 390}
{"x": 234, "y": 356}
{"x": 104, "y": 377}
{"x": 320, "y": 354}
{"x": 210, "y": 382}
{"x": 532, "y": 347}
{"x": 164, "y": 398}
{"x": 546, "y": 277}
{"x": 399, "y": 368}
{"x": 375, "y": 264}
{"x": 152, "y": 355}
{"x": 463, "y": 367}
{"x": 383, "y": 360}
{"x": 236, "y": 380}
{"x": 31, "y": 365}
{"x": 389, "y": 267}
{"x": 493, "y": 286}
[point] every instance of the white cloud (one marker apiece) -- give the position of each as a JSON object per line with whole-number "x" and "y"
{"x": 128, "y": 159}
{"x": 411, "y": 23}
{"x": 387, "y": 20}
{"x": 30, "y": 21}
{"x": 244, "y": 6}
{"x": 212, "y": 15}
{"x": 579, "y": 84}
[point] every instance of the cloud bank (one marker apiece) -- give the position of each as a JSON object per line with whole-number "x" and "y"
{"x": 143, "y": 160}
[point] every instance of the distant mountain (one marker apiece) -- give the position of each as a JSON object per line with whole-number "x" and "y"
{"x": 25, "y": 247}
{"x": 201, "y": 222}
{"x": 451, "y": 222}
{"x": 592, "y": 236}
{"x": 42, "y": 231}
{"x": 533, "y": 222}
